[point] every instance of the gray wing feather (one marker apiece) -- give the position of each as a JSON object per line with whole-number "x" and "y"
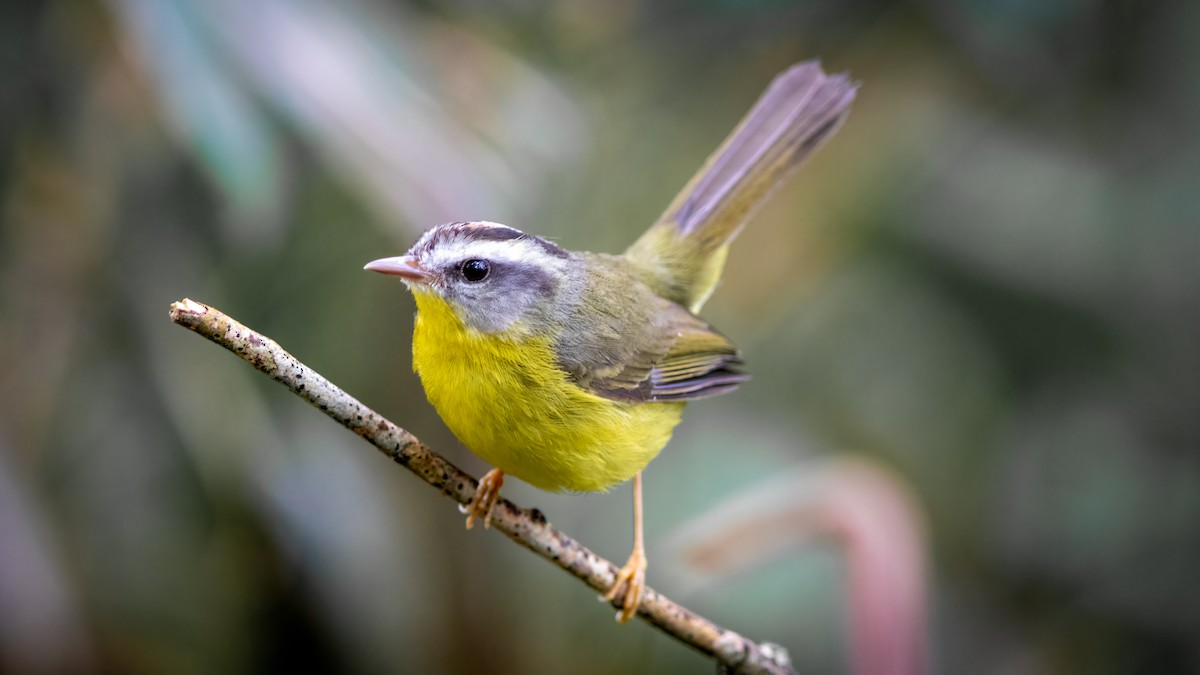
{"x": 625, "y": 343}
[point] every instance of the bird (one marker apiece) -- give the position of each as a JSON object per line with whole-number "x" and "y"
{"x": 570, "y": 370}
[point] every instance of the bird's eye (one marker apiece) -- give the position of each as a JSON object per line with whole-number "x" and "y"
{"x": 475, "y": 270}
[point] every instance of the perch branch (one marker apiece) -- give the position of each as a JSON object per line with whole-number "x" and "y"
{"x": 527, "y": 527}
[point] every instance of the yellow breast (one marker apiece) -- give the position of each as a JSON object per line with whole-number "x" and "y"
{"x": 508, "y": 402}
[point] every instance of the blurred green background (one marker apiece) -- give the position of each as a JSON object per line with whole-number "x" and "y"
{"x": 988, "y": 281}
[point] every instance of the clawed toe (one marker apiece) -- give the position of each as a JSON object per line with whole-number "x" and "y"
{"x": 628, "y": 585}
{"x": 485, "y": 498}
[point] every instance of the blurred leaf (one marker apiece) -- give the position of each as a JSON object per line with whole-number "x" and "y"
{"x": 213, "y": 113}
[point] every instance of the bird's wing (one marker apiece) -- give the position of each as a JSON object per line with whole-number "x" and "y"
{"x": 643, "y": 348}
{"x": 699, "y": 363}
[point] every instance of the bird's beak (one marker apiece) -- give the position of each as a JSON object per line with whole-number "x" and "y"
{"x": 404, "y": 266}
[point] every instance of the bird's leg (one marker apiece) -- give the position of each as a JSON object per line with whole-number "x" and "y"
{"x": 631, "y": 577}
{"x": 485, "y": 498}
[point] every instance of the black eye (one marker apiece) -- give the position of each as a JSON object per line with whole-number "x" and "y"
{"x": 475, "y": 270}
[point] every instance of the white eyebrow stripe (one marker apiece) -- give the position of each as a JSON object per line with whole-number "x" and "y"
{"x": 509, "y": 250}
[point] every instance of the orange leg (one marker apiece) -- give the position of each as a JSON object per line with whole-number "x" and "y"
{"x": 631, "y": 577}
{"x": 485, "y": 498}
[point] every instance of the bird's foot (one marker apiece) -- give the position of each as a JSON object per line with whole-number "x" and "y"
{"x": 628, "y": 585}
{"x": 485, "y": 498}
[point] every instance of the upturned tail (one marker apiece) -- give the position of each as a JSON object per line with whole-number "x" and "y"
{"x": 684, "y": 252}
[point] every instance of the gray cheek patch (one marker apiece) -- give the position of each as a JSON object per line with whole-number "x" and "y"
{"x": 510, "y": 292}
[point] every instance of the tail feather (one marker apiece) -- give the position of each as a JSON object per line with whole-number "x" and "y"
{"x": 684, "y": 252}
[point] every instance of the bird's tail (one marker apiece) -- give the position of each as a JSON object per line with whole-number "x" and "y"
{"x": 684, "y": 252}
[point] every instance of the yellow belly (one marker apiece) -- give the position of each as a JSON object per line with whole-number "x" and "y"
{"x": 505, "y": 399}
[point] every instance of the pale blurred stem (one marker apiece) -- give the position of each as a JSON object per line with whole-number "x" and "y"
{"x": 527, "y": 527}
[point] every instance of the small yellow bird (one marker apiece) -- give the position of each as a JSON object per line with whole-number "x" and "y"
{"x": 569, "y": 370}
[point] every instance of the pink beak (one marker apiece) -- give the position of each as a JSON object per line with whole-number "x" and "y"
{"x": 404, "y": 266}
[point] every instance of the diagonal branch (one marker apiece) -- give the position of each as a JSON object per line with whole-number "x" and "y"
{"x": 527, "y": 527}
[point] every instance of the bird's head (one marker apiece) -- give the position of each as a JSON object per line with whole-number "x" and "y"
{"x": 492, "y": 276}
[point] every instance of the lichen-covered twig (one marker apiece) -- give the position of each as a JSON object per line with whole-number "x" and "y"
{"x": 527, "y": 527}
